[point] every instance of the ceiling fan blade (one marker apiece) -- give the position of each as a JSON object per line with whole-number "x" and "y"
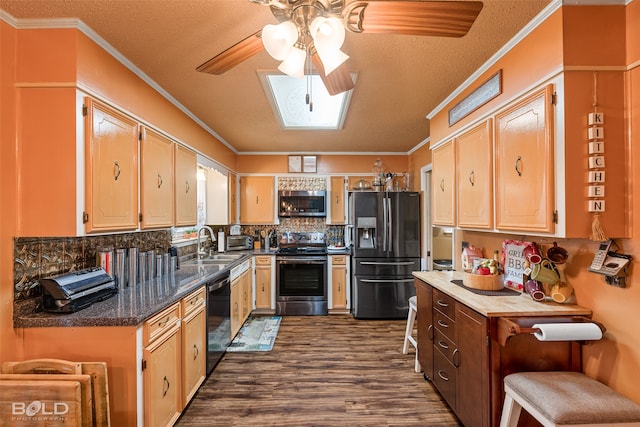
{"x": 421, "y": 18}
{"x": 338, "y": 81}
{"x": 234, "y": 55}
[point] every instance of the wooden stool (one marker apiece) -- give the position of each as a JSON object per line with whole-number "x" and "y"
{"x": 565, "y": 398}
{"x": 408, "y": 335}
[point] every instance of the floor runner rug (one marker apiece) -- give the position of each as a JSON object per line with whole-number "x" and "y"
{"x": 257, "y": 334}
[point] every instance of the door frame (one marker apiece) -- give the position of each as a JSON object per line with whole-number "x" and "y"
{"x": 427, "y": 224}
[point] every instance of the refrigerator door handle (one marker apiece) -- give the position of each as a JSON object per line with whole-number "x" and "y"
{"x": 385, "y": 219}
{"x": 386, "y": 263}
{"x": 386, "y": 280}
{"x": 390, "y": 225}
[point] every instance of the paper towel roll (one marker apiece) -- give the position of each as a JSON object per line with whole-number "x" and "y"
{"x": 567, "y": 331}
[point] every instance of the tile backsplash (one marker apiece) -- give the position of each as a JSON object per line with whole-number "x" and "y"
{"x": 38, "y": 257}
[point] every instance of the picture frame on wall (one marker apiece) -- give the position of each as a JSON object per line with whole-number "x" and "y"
{"x": 309, "y": 164}
{"x": 295, "y": 164}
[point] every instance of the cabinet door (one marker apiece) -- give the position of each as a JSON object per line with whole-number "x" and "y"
{"x": 263, "y": 282}
{"x": 194, "y": 353}
{"x": 524, "y": 165}
{"x": 443, "y": 184}
{"x": 336, "y": 199}
{"x": 474, "y": 153}
{"x": 472, "y": 361}
{"x": 247, "y": 296}
{"x": 424, "y": 319}
{"x": 339, "y": 282}
{"x": 111, "y": 169}
{"x": 186, "y": 168}
{"x": 236, "y": 307}
{"x": 257, "y": 200}
{"x": 162, "y": 397}
{"x": 233, "y": 199}
{"x": 156, "y": 176}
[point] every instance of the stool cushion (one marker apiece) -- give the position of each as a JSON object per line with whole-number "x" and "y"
{"x": 572, "y": 398}
{"x": 413, "y": 302}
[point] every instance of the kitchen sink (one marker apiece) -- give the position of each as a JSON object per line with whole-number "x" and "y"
{"x": 222, "y": 257}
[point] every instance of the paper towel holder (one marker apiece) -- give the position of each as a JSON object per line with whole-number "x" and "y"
{"x": 509, "y": 327}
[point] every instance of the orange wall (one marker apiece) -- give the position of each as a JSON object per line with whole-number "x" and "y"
{"x": 615, "y": 359}
{"x": 417, "y": 160}
{"x": 8, "y": 177}
{"x": 326, "y": 164}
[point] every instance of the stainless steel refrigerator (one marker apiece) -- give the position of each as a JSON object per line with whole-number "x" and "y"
{"x": 386, "y": 250}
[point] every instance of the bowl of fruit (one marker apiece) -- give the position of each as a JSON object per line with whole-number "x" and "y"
{"x": 487, "y": 275}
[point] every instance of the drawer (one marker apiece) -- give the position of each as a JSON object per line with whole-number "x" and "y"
{"x": 446, "y": 346}
{"x": 444, "y": 303}
{"x": 445, "y": 378}
{"x": 194, "y": 301}
{"x": 161, "y": 323}
{"x": 444, "y": 324}
{"x": 338, "y": 259}
{"x": 263, "y": 260}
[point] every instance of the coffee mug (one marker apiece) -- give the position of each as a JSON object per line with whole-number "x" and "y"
{"x": 531, "y": 254}
{"x": 557, "y": 254}
{"x": 546, "y": 272}
{"x": 535, "y": 289}
{"x": 561, "y": 292}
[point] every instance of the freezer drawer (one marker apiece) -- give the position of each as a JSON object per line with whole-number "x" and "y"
{"x": 387, "y": 267}
{"x": 382, "y": 298}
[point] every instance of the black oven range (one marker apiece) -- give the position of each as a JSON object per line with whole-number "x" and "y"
{"x": 301, "y": 274}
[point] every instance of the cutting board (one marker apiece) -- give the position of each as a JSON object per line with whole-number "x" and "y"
{"x": 96, "y": 370}
{"x": 36, "y": 403}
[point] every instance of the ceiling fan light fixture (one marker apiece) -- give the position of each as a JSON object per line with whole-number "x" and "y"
{"x": 279, "y": 39}
{"x": 293, "y": 64}
{"x": 328, "y": 36}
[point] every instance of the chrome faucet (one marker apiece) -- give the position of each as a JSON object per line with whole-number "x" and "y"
{"x": 213, "y": 239}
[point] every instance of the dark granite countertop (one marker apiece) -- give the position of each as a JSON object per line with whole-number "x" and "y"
{"x": 132, "y": 306}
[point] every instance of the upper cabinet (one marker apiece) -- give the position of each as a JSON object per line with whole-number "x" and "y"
{"x": 233, "y": 199}
{"x": 111, "y": 169}
{"x": 524, "y": 165}
{"x": 186, "y": 194}
{"x": 156, "y": 180}
{"x": 474, "y": 162}
{"x": 443, "y": 184}
{"x": 336, "y": 201}
{"x": 257, "y": 196}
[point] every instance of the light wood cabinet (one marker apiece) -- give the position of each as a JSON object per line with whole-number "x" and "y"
{"x": 156, "y": 180}
{"x": 263, "y": 272}
{"x": 194, "y": 348}
{"x": 443, "y": 184}
{"x": 247, "y": 296}
{"x": 257, "y": 196}
{"x": 241, "y": 301}
{"x": 474, "y": 165}
{"x": 233, "y": 198}
{"x": 339, "y": 282}
{"x": 524, "y": 165}
{"x": 111, "y": 173}
{"x": 186, "y": 169}
{"x": 161, "y": 368}
{"x": 336, "y": 200}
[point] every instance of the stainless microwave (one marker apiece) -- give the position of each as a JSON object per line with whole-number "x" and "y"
{"x": 302, "y": 203}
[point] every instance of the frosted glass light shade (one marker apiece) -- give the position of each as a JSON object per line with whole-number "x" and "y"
{"x": 279, "y": 39}
{"x": 293, "y": 64}
{"x": 328, "y": 36}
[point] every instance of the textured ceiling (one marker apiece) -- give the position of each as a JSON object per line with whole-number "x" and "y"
{"x": 400, "y": 78}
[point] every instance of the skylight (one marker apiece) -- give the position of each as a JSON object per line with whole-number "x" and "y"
{"x": 287, "y": 96}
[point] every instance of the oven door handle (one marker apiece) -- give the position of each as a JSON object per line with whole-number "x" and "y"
{"x": 386, "y": 263}
{"x": 301, "y": 260}
{"x": 386, "y": 280}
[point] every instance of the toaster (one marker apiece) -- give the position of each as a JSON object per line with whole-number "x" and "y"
{"x": 239, "y": 243}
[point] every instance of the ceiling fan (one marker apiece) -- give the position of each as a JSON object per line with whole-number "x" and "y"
{"x": 315, "y": 29}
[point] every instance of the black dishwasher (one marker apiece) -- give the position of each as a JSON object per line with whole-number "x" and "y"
{"x": 218, "y": 320}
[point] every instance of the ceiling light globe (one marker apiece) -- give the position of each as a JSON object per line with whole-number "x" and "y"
{"x": 332, "y": 59}
{"x": 279, "y": 39}
{"x": 293, "y": 64}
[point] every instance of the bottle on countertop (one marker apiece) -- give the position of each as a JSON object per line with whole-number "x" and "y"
{"x": 221, "y": 240}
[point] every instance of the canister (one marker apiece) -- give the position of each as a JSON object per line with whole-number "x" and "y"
{"x": 151, "y": 265}
{"x": 132, "y": 267}
{"x": 119, "y": 269}
{"x": 104, "y": 259}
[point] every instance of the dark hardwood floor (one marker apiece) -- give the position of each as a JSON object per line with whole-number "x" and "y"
{"x": 323, "y": 371}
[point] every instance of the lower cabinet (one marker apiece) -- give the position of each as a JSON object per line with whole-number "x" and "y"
{"x": 161, "y": 368}
{"x": 466, "y": 355}
{"x": 263, "y": 272}
{"x": 194, "y": 348}
{"x": 339, "y": 282}
{"x": 241, "y": 300}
